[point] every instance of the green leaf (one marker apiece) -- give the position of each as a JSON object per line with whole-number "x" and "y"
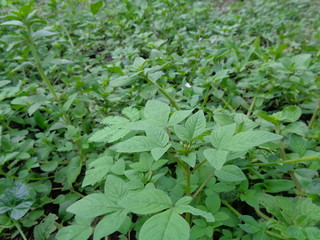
{"x": 290, "y": 114}
{"x": 195, "y": 211}
{"x": 298, "y": 144}
{"x": 98, "y": 169}
{"x": 95, "y": 7}
{"x": 12, "y": 23}
{"x": 73, "y": 170}
{"x": 158, "y": 135}
{"x": 191, "y": 159}
{"x": 68, "y": 103}
{"x": 272, "y": 119}
{"x": 43, "y": 230}
{"x": 74, "y": 232}
{"x": 138, "y": 144}
{"x": 278, "y": 185}
{"x": 139, "y": 63}
{"x": 157, "y": 153}
{"x": 115, "y": 121}
{"x": 132, "y": 113}
{"x": 250, "y": 224}
{"x": 216, "y": 158}
{"x": 16, "y": 199}
{"x": 109, "y": 224}
{"x": 146, "y": 201}
{"x": 43, "y": 33}
{"x": 221, "y": 137}
{"x": 298, "y": 128}
{"x": 109, "y": 134}
{"x": 93, "y": 205}
{"x": 157, "y": 113}
{"x": 230, "y": 173}
{"x": 246, "y": 140}
{"x": 122, "y": 81}
{"x": 115, "y": 188}
{"x": 195, "y": 125}
{"x": 181, "y": 132}
{"x": 155, "y": 76}
{"x": 165, "y": 226}
{"x": 178, "y": 117}
{"x": 183, "y": 201}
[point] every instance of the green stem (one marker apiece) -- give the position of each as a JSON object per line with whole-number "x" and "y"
{"x": 261, "y": 214}
{"x": 199, "y": 165}
{"x": 275, "y": 234}
{"x": 281, "y": 144}
{"x": 202, "y": 186}
{"x": 305, "y": 159}
{"x": 44, "y": 77}
{"x": 17, "y": 225}
{"x": 314, "y": 115}
{"x": 224, "y": 101}
{"x": 165, "y": 93}
{"x": 300, "y": 191}
{"x": 206, "y": 98}
{"x": 235, "y": 211}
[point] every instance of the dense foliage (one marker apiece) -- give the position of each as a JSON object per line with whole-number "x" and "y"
{"x": 159, "y": 120}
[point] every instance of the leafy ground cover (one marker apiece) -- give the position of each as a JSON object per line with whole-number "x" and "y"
{"x": 159, "y": 120}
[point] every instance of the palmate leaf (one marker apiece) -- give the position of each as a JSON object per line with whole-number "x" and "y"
{"x": 168, "y": 225}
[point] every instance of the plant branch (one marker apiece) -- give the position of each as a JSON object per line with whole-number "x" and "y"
{"x": 235, "y": 211}
{"x": 165, "y": 93}
{"x": 275, "y": 234}
{"x": 17, "y": 225}
{"x": 305, "y": 159}
{"x": 202, "y": 186}
{"x": 314, "y": 115}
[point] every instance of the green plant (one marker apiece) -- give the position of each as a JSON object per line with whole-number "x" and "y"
{"x": 159, "y": 119}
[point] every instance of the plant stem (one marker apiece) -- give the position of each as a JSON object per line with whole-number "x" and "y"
{"x": 275, "y": 234}
{"x": 199, "y": 165}
{"x": 281, "y": 144}
{"x": 224, "y": 101}
{"x": 202, "y": 186}
{"x": 235, "y": 211}
{"x": 305, "y": 159}
{"x": 17, "y": 225}
{"x": 300, "y": 191}
{"x": 314, "y": 115}
{"x": 44, "y": 77}
{"x": 206, "y": 98}
{"x": 261, "y": 214}
{"x": 165, "y": 93}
